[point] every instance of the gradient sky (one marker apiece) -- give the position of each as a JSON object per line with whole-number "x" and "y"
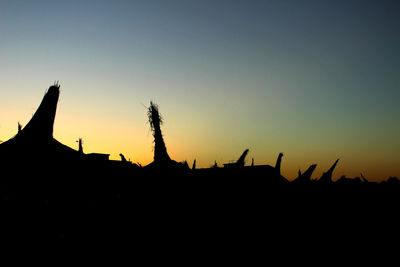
{"x": 316, "y": 80}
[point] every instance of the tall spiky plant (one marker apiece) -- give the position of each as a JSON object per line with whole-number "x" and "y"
{"x": 155, "y": 120}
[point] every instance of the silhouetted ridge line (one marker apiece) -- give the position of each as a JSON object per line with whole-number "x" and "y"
{"x": 35, "y": 148}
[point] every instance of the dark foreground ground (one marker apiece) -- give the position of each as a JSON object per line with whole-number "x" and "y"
{"x": 164, "y": 207}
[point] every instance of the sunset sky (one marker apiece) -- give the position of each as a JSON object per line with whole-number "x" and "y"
{"x": 316, "y": 80}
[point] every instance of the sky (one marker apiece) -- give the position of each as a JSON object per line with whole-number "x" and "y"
{"x": 316, "y": 80}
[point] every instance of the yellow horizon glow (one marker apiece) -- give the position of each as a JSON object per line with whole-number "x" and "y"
{"x": 114, "y": 126}
{"x": 136, "y": 143}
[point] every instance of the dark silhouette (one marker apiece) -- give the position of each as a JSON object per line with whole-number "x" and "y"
{"x": 40, "y": 172}
{"x": 393, "y": 180}
{"x": 327, "y": 176}
{"x": 278, "y": 163}
{"x": 80, "y": 148}
{"x": 185, "y": 164}
{"x": 35, "y": 143}
{"x": 160, "y": 151}
{"x": 161, "y": 157}
{"x": 194, "y": 164}
{"x": 305, "y": 178}
{"x": 363, "y": 178}
{"x": 240, "y": 162}
{"x": 42, "y": 122}
{"x": 215, "y": 164}
{"x": 343, "y": 180}
{"x": 123, "y": 159}
{"x": 36, "y": 140}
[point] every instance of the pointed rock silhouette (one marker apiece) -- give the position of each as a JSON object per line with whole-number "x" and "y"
{"x": 240, "y": 162}
{"x": 306, "y": 176}
{"x": 35, "y": 141}
{"x": 42, "y": 123}
{"x": 326, "y": 178}
{"x": 194, "y": 165}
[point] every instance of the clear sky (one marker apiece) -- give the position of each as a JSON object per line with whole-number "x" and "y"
{"x": 316, "y": 80}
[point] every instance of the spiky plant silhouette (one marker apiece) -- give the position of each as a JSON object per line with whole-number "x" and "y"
{"x": 155, "y": 120}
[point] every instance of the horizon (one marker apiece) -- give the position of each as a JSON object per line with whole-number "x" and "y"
{"x": 314, "y": 81}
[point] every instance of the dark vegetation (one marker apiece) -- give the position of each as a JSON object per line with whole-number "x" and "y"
{"x": 50, "y": 190}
